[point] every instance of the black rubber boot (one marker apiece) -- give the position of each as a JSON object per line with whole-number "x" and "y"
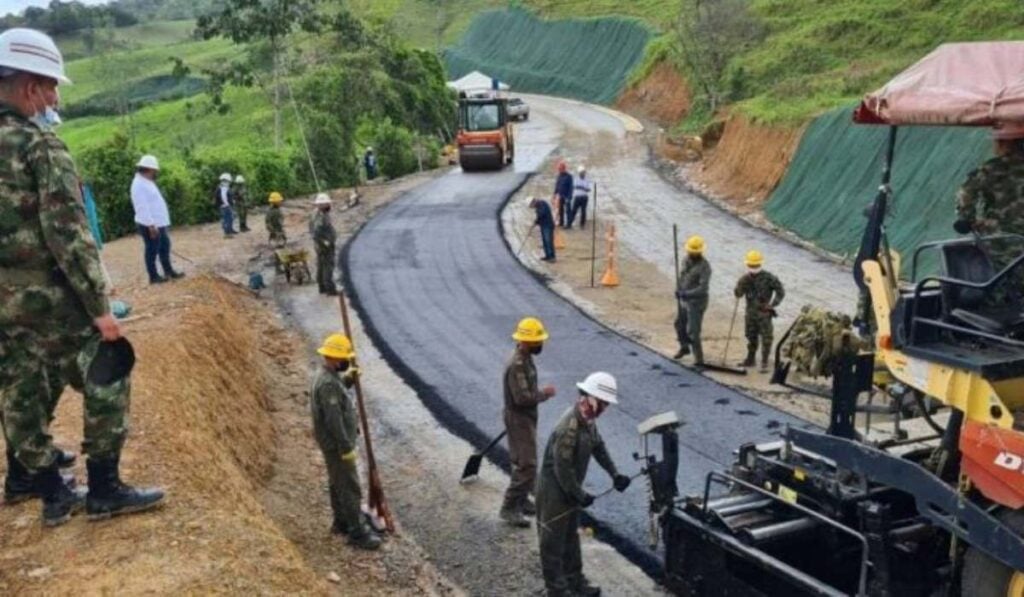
{"x": 365, "y": 538}
{"x": 59, "y": 501}
{"x": 751, "y": 358}
{"x": 583, "y": 587}
{"x": 108, "y": 496}
{"x": 21, "y": 485}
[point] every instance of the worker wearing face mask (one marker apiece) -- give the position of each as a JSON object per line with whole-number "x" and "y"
{"x": 222, "y": 201}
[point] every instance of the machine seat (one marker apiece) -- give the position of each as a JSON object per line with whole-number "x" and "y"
{"x": 993, "y": 321}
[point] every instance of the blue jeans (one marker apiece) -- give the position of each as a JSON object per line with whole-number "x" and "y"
{"x": 547, "y": 237}
{"x": 579, "y": 206}
{"x": 156, "y": 247}
{"x": 227, "y": 220}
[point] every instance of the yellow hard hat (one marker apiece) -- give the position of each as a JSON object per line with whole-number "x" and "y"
{"x": 275, "y": 198}
{"x": 695, "y": 244}
{"x": 530, "y": 329}
{"x": 337, "y": 346}
{"x": 754, "y": 259}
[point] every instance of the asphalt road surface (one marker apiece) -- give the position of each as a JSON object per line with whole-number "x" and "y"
{"x": 441, "y": 293}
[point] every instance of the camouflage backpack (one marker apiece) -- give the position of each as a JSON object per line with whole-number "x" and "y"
{"x": 816, "y": 340}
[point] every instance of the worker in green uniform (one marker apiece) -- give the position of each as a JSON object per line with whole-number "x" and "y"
{"x": 764, "y": 292}
{"x": 522, "y": 396}
{"x": 54, "y": 308}
{"x": 692, "y": 295}
{"x": 275, "y": 220}
{"x": 336, "y": 431}
{"x": 240, "y": 201}
{"x": 560, "y": 493}
{"x": 324, "y": 236}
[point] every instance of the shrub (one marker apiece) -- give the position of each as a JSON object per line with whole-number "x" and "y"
{"x": 394, "y": 148}
{"x": 109, "y": 169}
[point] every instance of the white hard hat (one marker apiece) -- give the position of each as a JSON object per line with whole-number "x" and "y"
{"x": 368, "y": 148}
{"x": 322, "y": 199}
{"x": 31, "y": 51}
{"x": 239, "y": 179}
{"x": 225, "y": 177}
{"x": 581, "y": 169}
{"x": 149, "y": 162}
{"x": 600, "y": 385}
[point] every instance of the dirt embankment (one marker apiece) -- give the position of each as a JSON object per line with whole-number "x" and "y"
{"x": 662, "y": 96}
{"x": 748, "y": 162}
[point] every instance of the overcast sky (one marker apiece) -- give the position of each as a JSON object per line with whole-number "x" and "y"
{"x": 8, "y": 6}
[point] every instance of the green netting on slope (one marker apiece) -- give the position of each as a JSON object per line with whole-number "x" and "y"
{"x": 584, "y": 59}
{"x": 837, "y": 168}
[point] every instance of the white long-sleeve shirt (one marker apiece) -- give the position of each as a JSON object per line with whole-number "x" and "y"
{"x": 581, "y": 187}
{"x": 150, "y": 207}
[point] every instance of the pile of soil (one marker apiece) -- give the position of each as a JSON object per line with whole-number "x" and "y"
{"x": 662, "y": 96}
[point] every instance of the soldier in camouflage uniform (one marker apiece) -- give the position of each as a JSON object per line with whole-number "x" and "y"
{"x": 692, "y": 294}
{"x": 54, "y": 310}
{"x": 240, "y": 200}
{"x": 764, "y": 292}
{"x": 991, "y": 201}
{"x": 322, "y": 230}
{"x": 522, "y": 395}
{"x": 275, "y": 220}
{"x": 337, "y": 431}
{"x": 560, "y": 493}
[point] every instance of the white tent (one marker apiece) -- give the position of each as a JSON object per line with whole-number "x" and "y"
{"x": 476, "y": 82}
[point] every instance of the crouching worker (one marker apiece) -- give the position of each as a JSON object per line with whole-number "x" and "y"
{"x": 336, "y": 431}
{"x": 560, "y": 493}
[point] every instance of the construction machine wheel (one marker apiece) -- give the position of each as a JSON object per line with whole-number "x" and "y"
{"x": 985, "y": 577}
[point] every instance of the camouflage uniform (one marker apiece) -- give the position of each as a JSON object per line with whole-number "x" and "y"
{"x": 336, "y": 431}
{"x": 692, "y": 293}
{"x": 521, "y": 399}
{"x": 240, "y": 201}
{"x": 991, "y": 201}
{"x": 764, "y": 292}
{"x": 275, "y": 225}
{"x": 324, "y": 237}
{"x": 560, "y": 490}
{"x": 51, "y": 288}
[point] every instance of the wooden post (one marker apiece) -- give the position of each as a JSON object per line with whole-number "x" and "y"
{"x": 374, "y": 489}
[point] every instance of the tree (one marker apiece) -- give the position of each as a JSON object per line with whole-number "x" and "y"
{"x": 267, "y": 22}
{"x": 710, "y": 33}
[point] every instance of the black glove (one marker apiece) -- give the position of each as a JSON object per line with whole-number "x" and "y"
{"x": 680, "y": 295}
{"x": 621, "y": 482}
{"x": 962, "y": 226}
{"x": 587, "y": 500}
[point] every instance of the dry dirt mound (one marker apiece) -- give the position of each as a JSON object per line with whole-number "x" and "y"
{"x": 203, "y": 426}
{"x": 662, "y": 96}
{"x": 748, "y": 162}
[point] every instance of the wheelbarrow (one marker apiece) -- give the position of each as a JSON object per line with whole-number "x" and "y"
{"x": 294, "y": 264}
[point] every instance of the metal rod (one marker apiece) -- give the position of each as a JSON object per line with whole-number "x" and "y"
{"x": 732, "y": 324}
{"x": 593, "y": 240}
{"x": 777, "y": 530}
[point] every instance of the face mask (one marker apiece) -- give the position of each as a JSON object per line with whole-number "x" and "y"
{"x": 225, "y": 184}
{"x": 591, "y": 407}
{"x": 342, "y": 367}
{"x": 753, "y": 270}
{"x": 537, "y": 349}
{"x": 46, "y": 118}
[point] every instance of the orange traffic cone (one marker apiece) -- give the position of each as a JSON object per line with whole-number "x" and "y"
{"x": 611, "y": 275}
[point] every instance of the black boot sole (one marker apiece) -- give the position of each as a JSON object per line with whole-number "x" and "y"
{"x": 108, "y": 514}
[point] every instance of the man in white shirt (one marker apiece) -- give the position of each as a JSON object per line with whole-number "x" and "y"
{"x": 581, "y": 189}
{"x": 153, "y": 220}
{"x": 222, "y": 201}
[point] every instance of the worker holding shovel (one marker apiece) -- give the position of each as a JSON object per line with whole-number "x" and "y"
{"x": 560, "y": 493}
{"x": 522, "y": 395}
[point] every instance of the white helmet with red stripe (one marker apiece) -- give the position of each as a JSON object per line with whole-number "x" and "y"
{"x": 31, "y": 51}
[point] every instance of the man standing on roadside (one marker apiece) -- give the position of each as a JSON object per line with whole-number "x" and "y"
{"x": 560, "y": 493}
{"x": 240, "y": 201}
{"x": 55, "y": 314}
{"x": 222, "y": 201}
{"x": 563, "y": 194}
{"x": 370, "y": 163}
{"x": 324, "y": 237}
{"x": 546, "y": 222}
{"x": 275, "y": 220}
{"x": 692, "y": 294}
{"x": 581, "y": 189}
{"x": 522, "y": 396}
{"x": 336, "y": 431}
{"x": 153, "y": 220}
{"x": 764, "y": 292}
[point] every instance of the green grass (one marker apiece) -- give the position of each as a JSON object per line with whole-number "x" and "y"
{"x": 822, "y": 54}
{"x": 155, "y": 33}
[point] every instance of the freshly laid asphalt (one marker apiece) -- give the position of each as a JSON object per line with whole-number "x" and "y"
{"x": 440, "y": 293}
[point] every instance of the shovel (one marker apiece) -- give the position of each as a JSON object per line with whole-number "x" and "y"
{"x": 724, "y": 367}
{"x": 469, "y": 474}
